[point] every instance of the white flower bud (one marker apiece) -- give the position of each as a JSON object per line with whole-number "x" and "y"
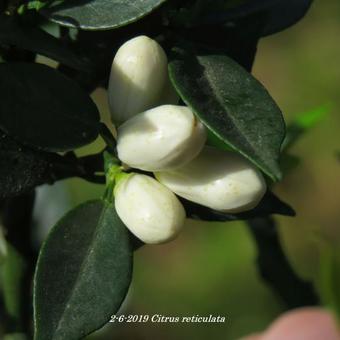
{"x": 220, "y": 180}
{"x": 139, "y": 79}
{"x": 162, "y": 138}
{"x": 148, "y": 209}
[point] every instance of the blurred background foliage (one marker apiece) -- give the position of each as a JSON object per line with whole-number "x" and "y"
{"x": 210, "y": 268}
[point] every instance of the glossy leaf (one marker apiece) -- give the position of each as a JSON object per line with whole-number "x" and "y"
{"x": 232, "y": 104}
{"x": 21, "y": 168}
{"x": 269, "y": 205}
{"x": 83, "y": 273}
{"x": 43, "y": 108}
{"x": 99, "y": 14}
{"x": 15, "y": 33}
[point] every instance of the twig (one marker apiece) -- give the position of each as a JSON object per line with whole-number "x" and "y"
{"x": 69, "y": 165}
{"x": 275, "y": 268}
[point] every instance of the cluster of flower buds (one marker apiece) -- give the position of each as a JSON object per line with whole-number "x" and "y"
{"x": 156, "y": 135}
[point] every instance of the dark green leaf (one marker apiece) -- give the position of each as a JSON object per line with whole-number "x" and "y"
{"x": 285, "y": 13}
{"x": 195, "y": 13}
{"x": 21, "y": 168}
{"x": 238, "y": 41}
{"x": 232, "y": 104}
{"x": 83, "y": 273}
{"x": 43, "y": 108}
{"x": 13, "y": 32}
{"x": 269, "y": 205}
{"x": 99, "y": 14}
{"x": 216, "y": 142}
{"x": 280, "y": 14}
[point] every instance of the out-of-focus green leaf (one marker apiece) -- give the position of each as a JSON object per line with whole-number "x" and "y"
{"x": 3, "y": 246}
{"x": 232, "y": 104}
{"x": 12, "y": 271}
{"x": 296, "y": 130}
{"x": 43, "y": 108}
{"x": 83, "y": 273}
{"x": 99, "y": 14}
{"x": 302, "y": 123}
{"x": 329, "y": 279}
{"x": 15, "y": 336}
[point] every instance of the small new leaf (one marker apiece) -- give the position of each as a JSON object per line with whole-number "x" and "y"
{"x": 83, "y": 273}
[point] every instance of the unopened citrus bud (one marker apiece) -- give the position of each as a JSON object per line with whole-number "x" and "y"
{"x": 148, "y": 209}
{"x": 220, "y": 180}
{"x": 139, "y": 78}
{"x": 162, "y": 138}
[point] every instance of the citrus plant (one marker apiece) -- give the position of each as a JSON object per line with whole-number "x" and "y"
{"x": 197, "y": 137}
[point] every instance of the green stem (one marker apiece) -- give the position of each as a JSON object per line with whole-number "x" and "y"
{"x": 69, "y": 165}
{"x": 113, "y": 171}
